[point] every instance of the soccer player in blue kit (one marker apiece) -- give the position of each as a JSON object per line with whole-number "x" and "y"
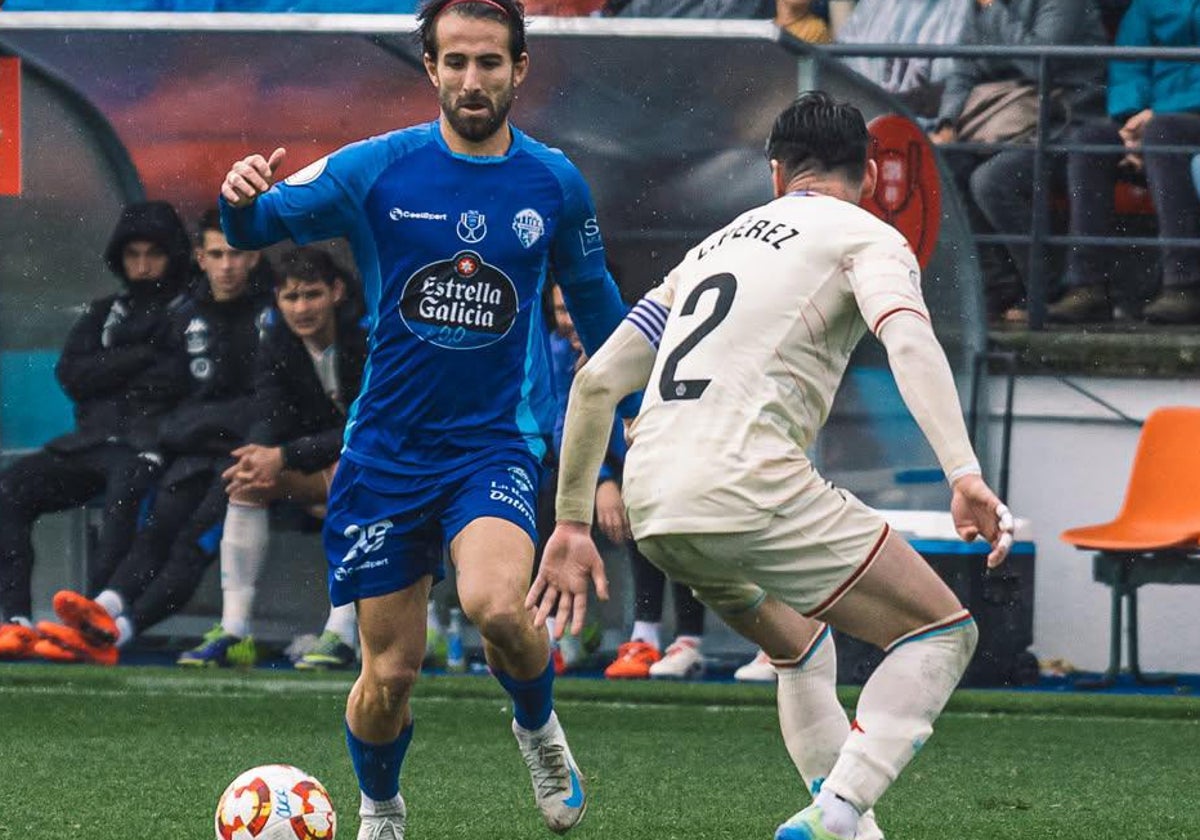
{"x": 454, "y": 225}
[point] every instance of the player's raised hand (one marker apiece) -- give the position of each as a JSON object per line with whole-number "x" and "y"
{"x": 569, "y": 562}
{"x": 250, "y": 177}
{"x": 977, "y": 510}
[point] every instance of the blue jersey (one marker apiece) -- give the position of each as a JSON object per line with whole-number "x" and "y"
{"x": 454, "y": 251}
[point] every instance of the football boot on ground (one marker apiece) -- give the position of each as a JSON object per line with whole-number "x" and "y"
{"x": 682, "y": 661}
{"x": 557, "y": 784}
{"x": 758, "y": 670}
{"x": 383, "y": 826}
{"x": 59, "y": 643}
{"x": 17, "y": 641}
{"x": 633, "y": 662}
{"x": 219, "y": 649}
{"x": 329, "y": 654}
{"x": 807, "y": 825}
{"x": 86, "y": 616}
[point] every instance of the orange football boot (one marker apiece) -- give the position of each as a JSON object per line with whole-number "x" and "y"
{"x": 16, "y": 641}
{"x": 633, "y": 662}
{"x": 60, "y": 643}
{"x": 86, "y": 616}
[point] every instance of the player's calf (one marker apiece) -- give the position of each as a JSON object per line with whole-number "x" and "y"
{"x": 897, "y": 708}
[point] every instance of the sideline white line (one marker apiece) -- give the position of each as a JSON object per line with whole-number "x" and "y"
{"x": 180, "y": 687}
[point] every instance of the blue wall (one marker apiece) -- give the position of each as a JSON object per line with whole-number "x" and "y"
{"x": 33, "y": 409}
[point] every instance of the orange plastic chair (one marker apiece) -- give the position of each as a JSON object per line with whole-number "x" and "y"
{"x": 1156, "y": 536}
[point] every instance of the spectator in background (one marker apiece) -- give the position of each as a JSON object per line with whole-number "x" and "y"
{"x": 1151, "y": 104}
{"x": 796, "y": 17}
{"x": 215, "y": 337}
{"x": 310, "y": 368}
{"x": 737, "y": 9}
{"x": 116, "y": 370}
{"x": 998, "y": 186}
{"x": 918, "y": 82}
{"x": 563, "y": 8}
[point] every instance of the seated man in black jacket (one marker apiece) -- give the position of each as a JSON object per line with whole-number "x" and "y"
{"x": 309, "y": 372}
{"x": 116, "y": 370}
{"x": 215, "y": 337}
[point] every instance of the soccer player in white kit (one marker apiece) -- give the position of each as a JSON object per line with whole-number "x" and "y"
{"x": 740, "y": 352}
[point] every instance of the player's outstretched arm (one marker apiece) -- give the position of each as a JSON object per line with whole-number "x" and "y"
{"x": 250, "y": 177}
{"x": 620, "y": 367}
{"x": 927, "y": 386}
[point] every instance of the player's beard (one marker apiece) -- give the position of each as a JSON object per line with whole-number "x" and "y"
{"x": 477, "y": 128}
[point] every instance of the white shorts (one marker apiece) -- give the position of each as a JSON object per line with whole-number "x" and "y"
{"x": 810, "y": 553}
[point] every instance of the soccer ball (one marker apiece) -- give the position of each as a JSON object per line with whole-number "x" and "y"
{"x": 275, "y": 802}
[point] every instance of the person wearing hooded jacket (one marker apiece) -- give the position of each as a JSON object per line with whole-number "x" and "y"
{"x": 214, "y": 337}
{"x": 116, "y": 369}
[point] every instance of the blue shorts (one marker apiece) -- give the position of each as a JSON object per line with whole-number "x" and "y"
{"x": 385, "y": 532}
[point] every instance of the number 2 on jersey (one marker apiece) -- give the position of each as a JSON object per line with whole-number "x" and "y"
{"x": 670, "y": 388}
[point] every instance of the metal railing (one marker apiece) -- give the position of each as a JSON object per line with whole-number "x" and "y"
{"x": 1040, "y": 235}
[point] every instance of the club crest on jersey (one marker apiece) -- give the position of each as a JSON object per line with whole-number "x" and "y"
{"x": 196, "y": 336}
{"x": 459, "y": 303}
{"x": 472, "y": 227}
{"x": 529, "y": 226}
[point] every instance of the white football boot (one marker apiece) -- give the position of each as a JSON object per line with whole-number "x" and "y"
{"x": 682, "y": 661}
{"x": 557, "y": 785}
{"x": 386, "y": 826}
{"x": 759, "y": 670}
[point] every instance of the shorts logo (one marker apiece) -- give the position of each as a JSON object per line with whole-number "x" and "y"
{"x": 460, "y": 303}
{"x": 308, "y": 174}
{"x": 520, "y": 479}
{"x": 529, "y": 226}
{"x": 366, "y": 540}
{"x": 589, "y": 237}
{"x": 472, "y": 227}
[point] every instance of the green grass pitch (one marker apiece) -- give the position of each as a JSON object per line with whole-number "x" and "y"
{"x": 143, "y": 754}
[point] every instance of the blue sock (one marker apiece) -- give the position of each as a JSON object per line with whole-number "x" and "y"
{"x": 533, "y": 700}
{"x": 378, "y": 765}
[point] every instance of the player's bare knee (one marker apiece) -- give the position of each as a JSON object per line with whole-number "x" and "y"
{"x": 387, "y": 683}
{"x": 501, "y": 624}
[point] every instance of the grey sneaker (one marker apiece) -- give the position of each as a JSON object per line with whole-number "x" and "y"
{"x": 557, "y": 785}
{"x": 383, "y": 826}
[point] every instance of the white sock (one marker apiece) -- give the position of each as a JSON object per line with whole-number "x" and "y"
{"x": 243, "y": 553}
{"x": 343, "y": 620}
{"x": 111, "y": 602}
{"x": 369, "y": 807}
{"x": 898, "y": 705}
{"x": 125, "y": 631}
{"x": 811, "y": 718}
{"x": 646, "y": 631}
{"x": 20, "y": 619}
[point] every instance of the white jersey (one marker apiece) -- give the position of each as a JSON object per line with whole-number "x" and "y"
{"x": 755, "y": 328}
